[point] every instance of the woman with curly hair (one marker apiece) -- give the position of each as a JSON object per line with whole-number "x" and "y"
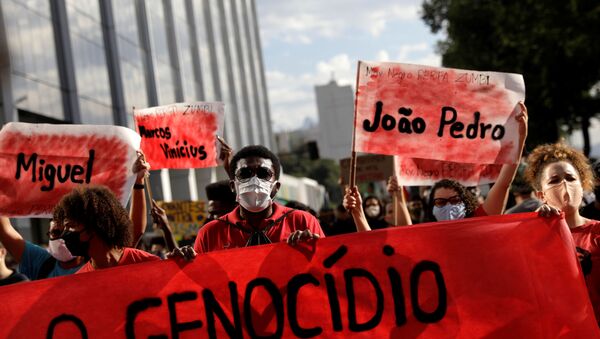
{"x": 450, "y": 199}
{"x": 96, "y": 226}
{"x": 559, "y": 174}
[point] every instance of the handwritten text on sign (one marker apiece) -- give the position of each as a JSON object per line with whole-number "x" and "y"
{"x": 185, "y": 217}
{"x": 181, "y": 135}
{"x": 456, "y": 279}
{"x": 41, "y": 162}
{"x": 437, "y": 113}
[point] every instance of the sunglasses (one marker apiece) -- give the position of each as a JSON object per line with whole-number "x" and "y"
{"x": 441, "y": 202}
{"x": 244, "y": 174}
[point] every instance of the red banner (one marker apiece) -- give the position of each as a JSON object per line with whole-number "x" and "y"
{"x": 181, "y": 135}
{"x": 442, "y": 114}
{"x": 498, "y": 277}
{"x": 39, "y": 163}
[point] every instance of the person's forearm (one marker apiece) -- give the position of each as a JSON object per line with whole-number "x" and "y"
{"x": 360, "y": 221}
{"x": 138, "y": 212}
{"x": 401, "y": 210}
{"x": 170, "y": 241}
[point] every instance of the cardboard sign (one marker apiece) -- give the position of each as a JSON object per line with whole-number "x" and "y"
{"x": 512, "y": 276}
{"x": 181, "y": 135}
{"x": 39, "y": 163}
{"x": 185, "y": 217}
{"x": 368, "y": 168}
{"x": 438, "y": 113}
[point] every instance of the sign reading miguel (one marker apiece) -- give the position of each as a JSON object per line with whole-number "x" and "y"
{"x": 181, "y": 135}
{"x": 42, "y": 162}
{"x": 440, "y": 115}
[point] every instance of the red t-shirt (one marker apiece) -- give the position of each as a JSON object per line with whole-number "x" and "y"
{"x": 479, "y": 212}
{"x": 587, "y": 237}
{"x": 230, "y": 231}
{"x": 130, "y": 256}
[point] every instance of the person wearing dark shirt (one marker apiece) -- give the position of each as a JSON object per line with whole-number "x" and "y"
{"x": 8, "y": 276}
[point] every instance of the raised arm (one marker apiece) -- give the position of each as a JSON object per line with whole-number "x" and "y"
{"x": 11, "y": 239}
{"x": 162, "y": 222}
{"x": 400, "y": 208}
{"x": 225, "y": 153}
{"x": 138, "y": 211}
{"x": 353, "y": 203}
{"x": 495, "y": 202}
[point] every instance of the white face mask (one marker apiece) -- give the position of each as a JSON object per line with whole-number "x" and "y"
{"x": 59, "y": 250}
{"x": 255, "y": 194}
{"x": 450, "y": 212}
{"x": 373, "y": 211}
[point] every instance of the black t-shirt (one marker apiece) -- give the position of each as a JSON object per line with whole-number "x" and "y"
{"x": 15, "y": 277}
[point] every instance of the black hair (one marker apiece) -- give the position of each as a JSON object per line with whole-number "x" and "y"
{"x": 465, "y": 195}
{"x": 254, "y": 151}
{"x": 220, "y": 191}
{"x": 98, "y": 210}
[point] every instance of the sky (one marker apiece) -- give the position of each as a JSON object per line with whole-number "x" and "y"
{"x": 306, "y": 42}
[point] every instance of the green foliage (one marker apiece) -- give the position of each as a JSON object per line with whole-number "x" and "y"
{"x": 554, "y": 44}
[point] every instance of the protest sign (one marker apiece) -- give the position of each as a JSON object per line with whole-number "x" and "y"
{"x": 439, "y": 114}
{"x": 185, "y": 217}
{"x": 368, "y": 168}
{"x": 182, "y": 135}
{"x": 42, "y": 162}
{"x": 513, "y": 276}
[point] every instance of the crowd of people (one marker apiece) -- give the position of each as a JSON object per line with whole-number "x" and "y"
{"x": 90, "y": 230}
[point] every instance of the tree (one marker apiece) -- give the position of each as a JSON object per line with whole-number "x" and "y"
{"x": 552, "y": 43}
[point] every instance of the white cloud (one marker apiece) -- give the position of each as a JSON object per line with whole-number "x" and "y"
{"x": 307, "y": 20}
{"x": 382, "y": 55}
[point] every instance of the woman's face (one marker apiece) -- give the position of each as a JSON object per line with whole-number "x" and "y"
{"x": 442, "y": 196}
{"x": 561, "y": 187}
{"x": 372, "y": 208}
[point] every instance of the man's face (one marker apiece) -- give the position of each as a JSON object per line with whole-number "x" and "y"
{"x": 255, "y": 166}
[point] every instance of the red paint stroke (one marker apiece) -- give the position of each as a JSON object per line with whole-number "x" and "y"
{"x": 198, "y": 128}
{"x": 24, "y": 197}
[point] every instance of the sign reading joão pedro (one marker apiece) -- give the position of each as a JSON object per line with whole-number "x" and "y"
{"x": 39, "y": 163}
{"x": 441, "y": 114}
{"x": 510, "y": 276}
{"x": 181, "y": 135}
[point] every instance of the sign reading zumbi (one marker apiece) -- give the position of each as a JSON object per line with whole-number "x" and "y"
{"x": 181, "y": 135}
{"x": 441, "y": 114}
{"x": 39, "y": 163}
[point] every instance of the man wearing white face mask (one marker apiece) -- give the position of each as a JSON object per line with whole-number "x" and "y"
{"x": 34, "y": 261}
{"x": 257, "y": 220}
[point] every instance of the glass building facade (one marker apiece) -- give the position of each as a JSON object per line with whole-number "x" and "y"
{"x": 92, "y": 61}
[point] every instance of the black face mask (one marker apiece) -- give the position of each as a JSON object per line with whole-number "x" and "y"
{"x": 75, "y": 245}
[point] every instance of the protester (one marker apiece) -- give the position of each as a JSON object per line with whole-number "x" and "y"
{"x": 297, "y": 205}
{"x": 342, "y": 222}
{"x": 592, "y": 210}
{"x": 559, "y": 174}
{"x": 161, "y": 223}
{"x": 374, "y": 212}
{"x": 8, "y": 276}
{"x": 96, "y": 226}
{"x": 257, "y": 220}
{"x": 34, "y": 261}
{"x": 221, "y": 200}
{"x": 525, "y": 200}
{"x": 450, "y": 199}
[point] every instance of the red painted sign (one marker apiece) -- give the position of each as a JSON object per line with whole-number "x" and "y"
{"x": 41, "y": 162}
{"x": 428, "y": 113}
{"x": 181, "y": 135}
{"x": 512, "y": 276}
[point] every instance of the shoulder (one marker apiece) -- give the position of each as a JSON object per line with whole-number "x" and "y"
{"x": 592, "y": 226}
{"x": 298, "y": 219}
{"x": 139, "y": 255}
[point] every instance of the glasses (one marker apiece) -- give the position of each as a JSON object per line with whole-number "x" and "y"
{"x": 244, "y": 174}
{"x": 441, "y": 202}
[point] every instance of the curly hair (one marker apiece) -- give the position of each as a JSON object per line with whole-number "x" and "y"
{"x": 99, "y": 211}
{"x": 544, "y": 155}
{"x": 465, "y": 195}
{"x": 254, "y": 151}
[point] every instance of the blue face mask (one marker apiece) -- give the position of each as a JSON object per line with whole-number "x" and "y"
{"x": 450, "y": 212}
